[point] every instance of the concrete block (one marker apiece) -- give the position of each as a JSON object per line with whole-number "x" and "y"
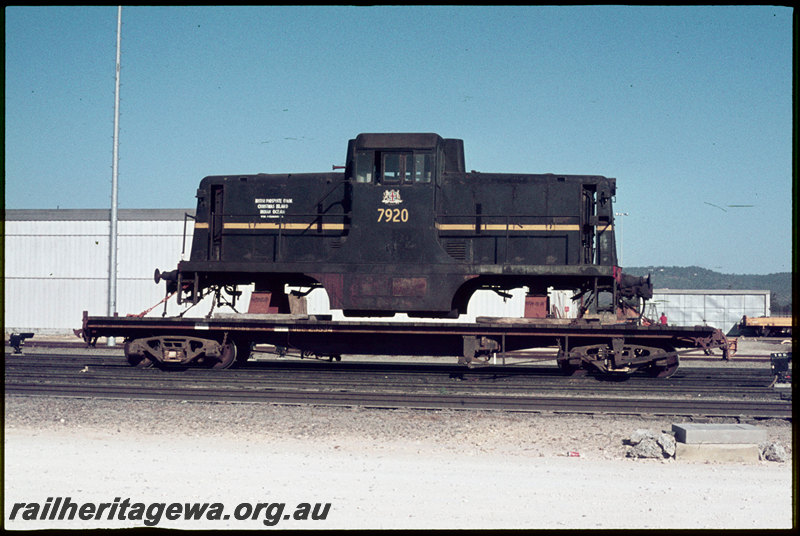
{"x": 696, "y": 433}
{"x": 710, "y": 452}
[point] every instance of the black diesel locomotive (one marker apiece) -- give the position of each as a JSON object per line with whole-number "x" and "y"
{"x": 405, "y": 228}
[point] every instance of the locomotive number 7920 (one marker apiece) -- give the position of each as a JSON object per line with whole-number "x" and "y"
{"x": 392, "y": 215}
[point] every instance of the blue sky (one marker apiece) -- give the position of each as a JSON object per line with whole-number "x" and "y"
{"x": 689, "y": 108}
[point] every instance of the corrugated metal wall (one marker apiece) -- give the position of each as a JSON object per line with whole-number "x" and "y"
{"x": 719, "y": 308}
{"x": 56, "y": 266}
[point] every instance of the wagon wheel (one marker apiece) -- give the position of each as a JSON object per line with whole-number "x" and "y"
{"x": 571, "y": 370}
{"x": 227, "y": 356}
{"x": 567, "y": 368}
{"x": 136, "y": 360}
{"x": 667, "y": 370}
{"x": 244, "y": 349}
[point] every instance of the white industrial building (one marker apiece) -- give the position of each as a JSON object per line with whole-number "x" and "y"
{"x": 56, "y": 264}
{"x": 722, "y": 309}
{"x": 56, "y": 267}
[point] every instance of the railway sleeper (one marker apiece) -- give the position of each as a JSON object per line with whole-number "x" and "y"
{"x": 171, "y": 351}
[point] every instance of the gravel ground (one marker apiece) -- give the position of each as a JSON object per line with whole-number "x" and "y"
{"x": 376, "y": 468}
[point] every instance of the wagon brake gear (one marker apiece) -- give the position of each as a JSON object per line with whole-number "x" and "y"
{"x": 478, "y": 350}
{"x": 716, "y": 339}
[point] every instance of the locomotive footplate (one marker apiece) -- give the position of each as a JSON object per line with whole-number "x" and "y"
{"x": 221, "y": 342}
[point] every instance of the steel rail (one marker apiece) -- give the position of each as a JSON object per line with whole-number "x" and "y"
{"x": 420, "y": 381}
{"x": 592, "y": 405}
{"x": 706, "y": 392}
{"x": 702, "y": 381}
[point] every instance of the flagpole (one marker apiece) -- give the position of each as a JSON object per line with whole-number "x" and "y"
{"x": 112, "y": 257}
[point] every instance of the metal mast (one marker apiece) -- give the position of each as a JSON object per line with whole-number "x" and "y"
{"x": 112, "y": 257}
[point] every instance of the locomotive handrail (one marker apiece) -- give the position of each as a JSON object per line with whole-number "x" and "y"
{"x": 336, "y": 185}
{"x": 484, "y": 215}
{"x": 506, "y": 220}
{"x": 318, "y": 218}
{"x": 509, "y": 222}
{"x": 186, "y": 216}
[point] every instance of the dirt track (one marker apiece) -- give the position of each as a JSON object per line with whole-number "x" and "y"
{"x": 377, "y": 468}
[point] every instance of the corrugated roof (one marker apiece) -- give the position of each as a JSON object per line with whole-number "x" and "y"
{"x": 99, "y": 214}
{"x": 708, "y": 291}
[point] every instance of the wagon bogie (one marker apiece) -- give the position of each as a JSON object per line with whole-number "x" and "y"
{"x": 180, "y": 351}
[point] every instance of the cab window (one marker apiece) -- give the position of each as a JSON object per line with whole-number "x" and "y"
{"x": 407, "y": 167}
{"x": 365, "y": 166}
{"x": 423, "y": 167}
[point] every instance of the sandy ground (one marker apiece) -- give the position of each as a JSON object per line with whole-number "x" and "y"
{"x": 391, "y": 469}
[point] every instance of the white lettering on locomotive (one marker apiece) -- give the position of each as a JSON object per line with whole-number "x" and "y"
{"x": 272, "y": 207}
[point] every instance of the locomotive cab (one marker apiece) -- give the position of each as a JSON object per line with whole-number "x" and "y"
{"x": 392, "y": 245}
{"x": 394, "y": 195}
{"x": 405, "y": 229}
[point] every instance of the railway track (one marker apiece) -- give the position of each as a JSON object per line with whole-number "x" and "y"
{"x": 692, "y": 391}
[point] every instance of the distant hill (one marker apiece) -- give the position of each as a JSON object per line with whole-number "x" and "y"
{"x": 694, "y": 277}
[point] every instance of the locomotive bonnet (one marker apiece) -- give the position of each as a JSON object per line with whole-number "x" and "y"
{"x": 405, "y": 228}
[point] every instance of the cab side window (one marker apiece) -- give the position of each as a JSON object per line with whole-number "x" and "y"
{"x": 365, "y": 166}
{"x": 407, "y": 167}
{"x": 423, "y": 167}
{"x": 394, "y": 167}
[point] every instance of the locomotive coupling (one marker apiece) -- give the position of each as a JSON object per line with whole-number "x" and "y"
{"x": 170, "y": 277}
{"x": 166, "y": 276}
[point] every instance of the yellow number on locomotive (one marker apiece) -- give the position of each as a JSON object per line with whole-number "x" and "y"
{"x": 392, "y": 215}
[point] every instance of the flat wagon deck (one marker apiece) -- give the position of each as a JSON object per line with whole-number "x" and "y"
{"x": 224, "y": 340}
